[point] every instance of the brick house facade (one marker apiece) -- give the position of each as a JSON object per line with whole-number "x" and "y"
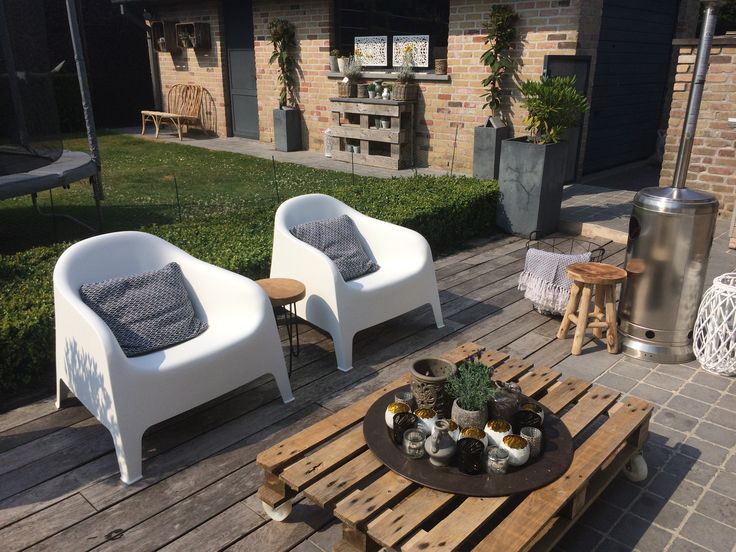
{"x": 447, "y": 110}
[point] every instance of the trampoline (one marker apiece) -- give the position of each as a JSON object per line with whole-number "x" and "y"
{"x": 32, "y": 157}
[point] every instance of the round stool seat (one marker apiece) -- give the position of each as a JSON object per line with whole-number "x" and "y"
{"x": 596, "y": 273}
{"x": 283, "y": 291}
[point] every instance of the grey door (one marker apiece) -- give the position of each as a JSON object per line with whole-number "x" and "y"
{"x": 241, "y": 62}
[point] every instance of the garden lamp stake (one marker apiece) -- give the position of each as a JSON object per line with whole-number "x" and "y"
{"x": 352, "y": 165}
{"x": 176, "y": 191}
{"x": 275, "y": 181}
{"x": 454, "y": 147}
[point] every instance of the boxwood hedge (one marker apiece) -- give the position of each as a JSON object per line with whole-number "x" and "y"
{"x": 228, "y": 223}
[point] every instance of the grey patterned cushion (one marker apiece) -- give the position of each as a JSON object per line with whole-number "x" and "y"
{"x": 146, "y": 312}
{"x": 338, "y": 238}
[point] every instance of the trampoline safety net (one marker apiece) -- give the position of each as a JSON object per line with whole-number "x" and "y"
{"x": 29, "y": 124}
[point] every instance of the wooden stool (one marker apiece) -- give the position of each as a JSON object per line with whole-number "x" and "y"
{"x": 283, "y": 293}
{"x": 586, "y": 276}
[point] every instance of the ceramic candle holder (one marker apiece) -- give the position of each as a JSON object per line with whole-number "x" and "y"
{"x": 533, "y": 436}
{"x": 474, "y": 433}
{"x": 525, "y": 418}
{"x": 414, "y": 443}
{"x": 454, "y": 430}
{"x": 403, "y": 421}
{"x": 406, "y": 397}
{"x": 470, "y": 455}
{"x": 395, "y": 408}
{"x": 533, "y": 407}
{"x": 496, "y": 430}
{"x": 518, "y": 449}
{"x": 428, "y": 417}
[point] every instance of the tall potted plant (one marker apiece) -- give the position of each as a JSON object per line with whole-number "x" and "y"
{"x": 500, "y": 33}
{"x": 470, "y": 387}
{"x": 287, "y": 124}
{"x": 347, "y": 87}
{"x": 405, "y": 89}
{"x": 532, "y": 168}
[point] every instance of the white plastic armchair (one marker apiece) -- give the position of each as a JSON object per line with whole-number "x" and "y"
{"x": 128, "y": 395}
{"x": 404, "y": 281}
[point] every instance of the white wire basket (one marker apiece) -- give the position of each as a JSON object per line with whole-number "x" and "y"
{"x": 714, "y": 335}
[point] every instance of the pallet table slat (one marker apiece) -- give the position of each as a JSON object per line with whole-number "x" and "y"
{"x": 537, "y": 380}
{"x": 493, "y": 358}
{"x": 563, "y": 393}
{"x": 462, "y": 352}
{"x": 512, "y": 369}
{"x": 295, "y": 446}
{"x": 523, "y": 525}
{"x": 314, "y": 466}
{"x": 594, "y": 403}
{"x": 334, "y": 486}
{"x": 359, "y": 506}
{"x": 394, "y": 524}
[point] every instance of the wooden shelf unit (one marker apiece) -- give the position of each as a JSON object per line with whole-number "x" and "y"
{"x": 357, "y": 120}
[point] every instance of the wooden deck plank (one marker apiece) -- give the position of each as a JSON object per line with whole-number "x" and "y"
{"x": 24, "y": 414}
{"x": 340, "y": 482}
{"x": 41, "y": 427}
{"x": 522, "y": 525}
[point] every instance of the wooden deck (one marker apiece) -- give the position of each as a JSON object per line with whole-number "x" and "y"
{"x": 59, "y": 486}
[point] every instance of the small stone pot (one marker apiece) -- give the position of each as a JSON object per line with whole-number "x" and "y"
{"x": 362, "y": 91}
{"x": 371, "y": 93}
{"x": 346, "y": 90}
{"x": 465, "y": 418}
{"x": 428, "y": 377}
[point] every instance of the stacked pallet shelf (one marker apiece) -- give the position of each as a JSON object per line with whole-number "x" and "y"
{"x": 357, "y": 120}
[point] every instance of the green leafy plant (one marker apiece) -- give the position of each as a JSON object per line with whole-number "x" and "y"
{"x": 352, "y": 69}
{"x": 371, "y": 87}
{"x": 406, "y": 69}
{"x": 500, "y": 33}
{"x": 471, "y": 385}
{"x": 553, "y": 105}
{"x": 283, "y": 39}
{"x": 335, "y": 53}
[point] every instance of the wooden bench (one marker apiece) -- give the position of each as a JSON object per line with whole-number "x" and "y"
{"x": 185, "y": 104}
{"x": 332, "y": 466}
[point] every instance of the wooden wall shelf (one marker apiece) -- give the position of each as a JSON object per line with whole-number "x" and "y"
{"x": 357, "y": 121}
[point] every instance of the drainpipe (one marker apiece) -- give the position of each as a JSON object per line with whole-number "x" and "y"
{"x": 153, "y": 64}
{"x": 696, "y": 92}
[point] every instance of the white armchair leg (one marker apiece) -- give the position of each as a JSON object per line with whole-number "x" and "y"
{"x": 129, "y": 451}
{"x": 282, "y": 381}
{"x": 344, "y": 350}
{"x": 63, "y": 393}
{"x": 437, "y": 311}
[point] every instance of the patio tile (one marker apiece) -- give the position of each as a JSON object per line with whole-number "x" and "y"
{"x": 707, "y": 452}
{"x": 621, "y": 492}
{"x": 676, "y": 370}
{"x": 722, "y": 417}
{"x": 688, "y": 405}
{"x": 681, "y": 545}
{"x": 663, "y": 381}
{"x": 665, "y": 436}
{"x": 725, "y": 483}
{"x": 581, "y": 366}
{"x": 610, "y": 545}
{"x": 700, "y": 392}
{"x": 675, "y": 420}
{"x": 327, "y": 537}
{"x": 601, "y": 515}
{"x": 685, "y": 467}
{"x": 640, "y": 533}
{"x": 656, "y": 455}
{"x": 579, "y": 537}
{"x": 731, "y": 464}
{"x": 631, "y": 370}
{"x": 712, "y": 380}
{"x": 675, "y": 489}
{"x": 619, "y": 383}
{"x": 718, "y": 507}
{"x": 709, "y": 533}
{"x": 651, "y": 393}
{"x": 716, "y": 434}
{"x": 659, "y": 510}
{"x": 728, "y": 402}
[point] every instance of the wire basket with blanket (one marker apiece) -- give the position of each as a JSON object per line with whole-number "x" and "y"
{"x": 544, "y": 280}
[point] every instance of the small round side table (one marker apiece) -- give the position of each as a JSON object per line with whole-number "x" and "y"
{"x": 284, "y": 293}
{"x": 587, "y": 278}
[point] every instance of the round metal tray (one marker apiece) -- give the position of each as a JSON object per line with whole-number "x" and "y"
{"x": 556, "y": 457}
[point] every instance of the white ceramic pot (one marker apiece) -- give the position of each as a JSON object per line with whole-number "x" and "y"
{"x": 371, "y": 93}
{"x": 427, "y": 417}
{"x": 496, "y": 430}
{"x": 518, "y": 449}
{"x": 393, "y": 409}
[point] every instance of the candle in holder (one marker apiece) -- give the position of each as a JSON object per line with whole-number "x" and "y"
{"x": 406, "y": 397}
{"x": 534, "y": 436}
{"x": 414, "y": 443}
{"x": 497, "y": 461}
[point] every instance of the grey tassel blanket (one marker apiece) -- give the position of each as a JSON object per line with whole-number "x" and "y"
{"x": 544, "y": 280}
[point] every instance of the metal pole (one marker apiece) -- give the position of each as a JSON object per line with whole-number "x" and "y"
{"x": 13, "y": 79}
{"x": 153, "y": 63}
{"x": 696, "y": 93}
{"x": 89, "y": 119}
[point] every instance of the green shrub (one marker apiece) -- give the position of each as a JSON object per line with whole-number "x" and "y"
{"x": 228, "y": 205}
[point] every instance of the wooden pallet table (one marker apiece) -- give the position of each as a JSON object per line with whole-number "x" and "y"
{"x": 332, "y": 466}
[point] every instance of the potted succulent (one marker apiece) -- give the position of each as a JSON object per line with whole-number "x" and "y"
{"x": 334, "y": 54}
{"x": 532, "y": 168}
{"x": 371, "y": 90}
{"x": 287, "y": 126}
{"x": 351, "y": 73}
{"x": 500, "y": 33}
{"x": 404, "y": 89}
{"x": 471, "y": 388}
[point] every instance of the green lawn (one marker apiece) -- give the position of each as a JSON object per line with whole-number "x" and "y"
{"x": 227, "y": 206}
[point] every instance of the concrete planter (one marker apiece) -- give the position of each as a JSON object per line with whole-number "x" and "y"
{"x": 487, "y": 151}
{"x": 287, "y": 129}
{"x": 530, "y": 179}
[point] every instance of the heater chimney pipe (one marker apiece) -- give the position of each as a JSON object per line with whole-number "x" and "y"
{"x": 696, "y": 93}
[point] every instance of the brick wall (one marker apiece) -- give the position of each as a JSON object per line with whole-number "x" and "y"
{"x": 205, "y": 67}
{"x": 713, "y": 162}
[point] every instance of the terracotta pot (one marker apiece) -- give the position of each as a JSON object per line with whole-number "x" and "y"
{"x": 428, "y": 376}
{"x": 467, "y": 418}
{"x": 404, "y": 91}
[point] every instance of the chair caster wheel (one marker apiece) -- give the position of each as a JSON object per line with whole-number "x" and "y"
{"x": 636, "y": 469}
{"x": 280, "y": 513}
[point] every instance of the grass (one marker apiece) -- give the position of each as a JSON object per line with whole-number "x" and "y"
{"x": 227, "y": 202}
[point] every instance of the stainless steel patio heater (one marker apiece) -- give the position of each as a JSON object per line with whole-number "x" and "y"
{"x": 670, "y": 236}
